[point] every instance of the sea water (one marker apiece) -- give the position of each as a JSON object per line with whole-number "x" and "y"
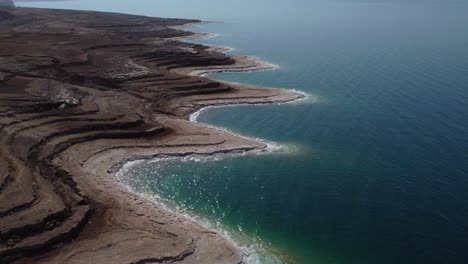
{"x": 374, "y": 170}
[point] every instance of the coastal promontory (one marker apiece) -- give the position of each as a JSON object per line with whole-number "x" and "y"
{"x": 81, "y": 93}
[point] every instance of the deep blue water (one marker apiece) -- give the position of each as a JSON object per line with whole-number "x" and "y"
{"x": 377, "y": 167}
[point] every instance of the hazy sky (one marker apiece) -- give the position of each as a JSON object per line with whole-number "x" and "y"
{"x": 323, "y": 11}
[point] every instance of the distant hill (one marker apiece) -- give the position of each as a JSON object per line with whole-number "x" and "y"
{"x": 6, "y": 3}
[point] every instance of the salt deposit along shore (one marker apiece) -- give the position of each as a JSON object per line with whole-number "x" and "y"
{"x": 81, "y": 94}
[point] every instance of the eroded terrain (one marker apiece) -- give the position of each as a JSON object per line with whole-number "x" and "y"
{"x": 81, "y": 92}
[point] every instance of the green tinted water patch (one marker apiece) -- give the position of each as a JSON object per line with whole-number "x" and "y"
{"x": 253, "y": 196}
{"x": 184, "y": 185}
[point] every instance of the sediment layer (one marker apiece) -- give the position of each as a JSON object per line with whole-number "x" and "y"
{"x": 83, "y": 91}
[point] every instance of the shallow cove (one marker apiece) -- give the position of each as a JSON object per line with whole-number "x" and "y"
{"x": 381, "y": 175}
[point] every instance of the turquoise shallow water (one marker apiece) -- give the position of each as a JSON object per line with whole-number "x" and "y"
{"x": 377, "y": 168}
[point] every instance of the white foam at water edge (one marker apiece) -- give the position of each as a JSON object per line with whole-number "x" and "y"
{"x": 222, "y": 48}
{"x": 252, "y": 248}
{"x": 209, "y": 35}
{"x": 229, "y": 49}
{"x": 200, "y": 35}
{"x": 266, "y": 65}
{"x": 260, "y": 67}
{"x": 253, "y": 251}
{"x": 193, "y": 117}
{"x": 272, "y": 147}
{"x": 306, "y": 97}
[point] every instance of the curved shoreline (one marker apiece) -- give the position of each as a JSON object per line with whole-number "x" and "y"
{"x": 253, "y": 146}
{"x": 90, "y": 91}
{"x": 244, "y": 64}
{"x": 250, "y": 64}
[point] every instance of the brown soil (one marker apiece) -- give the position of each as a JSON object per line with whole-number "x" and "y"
{"x": 82, "y": 92}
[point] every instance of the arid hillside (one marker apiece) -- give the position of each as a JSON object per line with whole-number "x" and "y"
{"x": 81, "y": 92}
